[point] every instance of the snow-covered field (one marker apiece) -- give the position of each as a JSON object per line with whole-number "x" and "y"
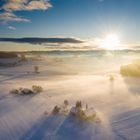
{"x": 117, "y": 103}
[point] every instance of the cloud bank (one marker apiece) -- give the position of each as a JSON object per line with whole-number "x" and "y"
{"x": 42, "y": 40}
{"x": 10, "y": 6}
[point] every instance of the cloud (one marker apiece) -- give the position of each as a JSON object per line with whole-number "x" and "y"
{"x": 28, "y": 5}
{"x": 43, "y": 40}
{"x": 11, "y": 28}
{"x": 10, "y": 6}
{"x": 11, "y": 17}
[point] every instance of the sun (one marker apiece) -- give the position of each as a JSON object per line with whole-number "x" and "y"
{"x": 110, "y": 42}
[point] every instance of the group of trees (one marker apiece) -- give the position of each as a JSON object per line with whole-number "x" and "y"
{"x": 57, "y": 109}
{"x": 25, "y": 91}
{"x": 23, "y": 59}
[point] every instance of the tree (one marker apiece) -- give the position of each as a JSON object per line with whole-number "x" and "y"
{"x": 66, "y": 103}
{"x": 37, "y": 89}
{"x": 56, "y": 110}
{"x": 78, "y": 104}
{"x": 23, "y": 58}
{"x": 36, "y": 69}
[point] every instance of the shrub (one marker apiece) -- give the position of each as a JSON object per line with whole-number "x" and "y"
{"x": 14, "y": 91}
{"x": 26, "y": 91}
{"x": 37, "y": 89}
{"x": 56, "y": 110}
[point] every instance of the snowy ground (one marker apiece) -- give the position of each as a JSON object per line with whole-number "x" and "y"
{"x": 22, "y": 117}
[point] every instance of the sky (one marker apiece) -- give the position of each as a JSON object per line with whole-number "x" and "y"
{"x": 71, "y": 18}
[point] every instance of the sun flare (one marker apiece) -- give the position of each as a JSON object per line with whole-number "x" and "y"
{"x": 111, "y": 42}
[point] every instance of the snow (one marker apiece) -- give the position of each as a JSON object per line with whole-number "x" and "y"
{"x": 117, "y": 103}
{"x": 73, "y": 110}
{"x": 90, "y": 112}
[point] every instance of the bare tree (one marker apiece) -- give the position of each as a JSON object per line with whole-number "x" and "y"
{"x": 36, "y": 69}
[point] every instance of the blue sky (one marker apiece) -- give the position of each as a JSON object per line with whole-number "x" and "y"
{"x": 71, "y": 18}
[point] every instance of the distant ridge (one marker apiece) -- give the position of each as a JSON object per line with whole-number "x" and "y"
{"x": 36, "y": 40}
